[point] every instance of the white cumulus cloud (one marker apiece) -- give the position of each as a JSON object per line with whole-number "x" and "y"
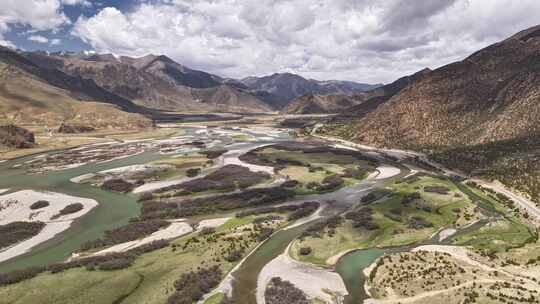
{"x": 38, "y": 39}
{"x": 86, "y": 3}
{"x": 362, "y": 40}
{"x": 38, "y": 15}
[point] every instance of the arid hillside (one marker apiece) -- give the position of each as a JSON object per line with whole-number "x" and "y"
{"x": 491, "y": 95}
{"x": 30, "y": 95}
{"x": 480, "y": 115}
{"x": 155, "y": 82}
{"x": 320, "y": 104}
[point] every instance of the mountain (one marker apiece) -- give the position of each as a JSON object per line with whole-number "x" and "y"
{"x": 373, "y": 98}
{"x": 77, "y": 86}
{"x": 30, "y": 94}
{"x": 355, "y": 105}
{"x": 490, "y": 95}
{"x": 481, "y": 114}
{"x": 154, "y": 82}
{"x": 281, "y": 88}
{"x": 320, "y": 104}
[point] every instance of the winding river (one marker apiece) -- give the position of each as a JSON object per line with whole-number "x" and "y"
{"x": 115, "y": 210}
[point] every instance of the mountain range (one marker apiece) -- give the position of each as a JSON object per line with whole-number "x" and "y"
{"x": 31, "y": 94}
{"x": 150, "y": 85}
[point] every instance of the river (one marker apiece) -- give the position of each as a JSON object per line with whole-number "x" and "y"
{"x": 114, "y": 209}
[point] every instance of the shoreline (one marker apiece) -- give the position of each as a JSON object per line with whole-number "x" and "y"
{"x": 17, "y": 208}
{"x": 315, "y": 282}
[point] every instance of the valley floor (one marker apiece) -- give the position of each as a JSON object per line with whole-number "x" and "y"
{"x": 227, "y": 208}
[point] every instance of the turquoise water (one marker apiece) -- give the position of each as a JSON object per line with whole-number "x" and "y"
{"x": 114, "y": 209}
{"x": 350, "y": 267}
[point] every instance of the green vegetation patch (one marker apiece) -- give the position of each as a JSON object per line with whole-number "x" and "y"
{"x": 314, "y": 168}
{"x": 226, "y": 178}
{"x": 404, "y": 213}
{"x": 150, "y": 278}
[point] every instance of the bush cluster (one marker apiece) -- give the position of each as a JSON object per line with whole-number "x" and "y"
{"x": 281, "y": 292}
{"x": 130, "y": 232}
{"x": 69, "y": 209}
{"x": 16, "y": 232}
{"x": 192, "y": 286}
{"x": 39, "y": 205}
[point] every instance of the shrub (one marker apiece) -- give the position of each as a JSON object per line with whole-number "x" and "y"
{"x": 411, "y": 197}
{"x": 207, "y": 231}
{"x": 417, "y": 222}
{"x": 280, "y": 292}
{"x": 69, "y": 209}
{"x": 330, "y": 183}
{"x": 305, "y": 251}
{"x": 305, "y": 209}
{"x": 234, "y": 256}
{"x": 39, "y": 205}
{"x": 118, "y": 185}
{"x": 211, "y": 154}
{"x": 264, "y": 234}
{"x": 290, "y": 183}
{"x": 16, "y": 232}
{"x": 191, "y": 286}
{"x": 268, "y": 218}
{"x": 127, "y": 233}
{"x": 192, "y": 172}
{"x": 17, "y": 276}
{"x": 436, "y": 189}
{"x": 115, "y": 264}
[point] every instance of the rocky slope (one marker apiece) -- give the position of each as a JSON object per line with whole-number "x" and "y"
{"x": 12, "y": 136}
{"x": 30, "y": 94}
{"x": 281, "y": 88}
{"x": 155, "y": 82}
{"x": 78, "y": 87}
{"x": 491, "y": 95}
{"x": 468, "y": 112}
{"x": 321, "y": 104}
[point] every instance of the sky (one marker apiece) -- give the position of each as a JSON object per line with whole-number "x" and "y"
{"x": 369, "y": 41}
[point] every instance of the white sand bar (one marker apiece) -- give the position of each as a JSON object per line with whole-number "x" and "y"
{"x": 15, "y": 207}
{"x": 310, "y": 279}
{"x": 386, "y": 171}
{"x": 213, "y": 223}
{"x": 174, "y": 230}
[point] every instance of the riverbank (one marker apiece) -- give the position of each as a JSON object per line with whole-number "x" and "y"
{"x": 316, "y": 282}
{"x": 16, "y": 207}
{"x": 523, "y": 202}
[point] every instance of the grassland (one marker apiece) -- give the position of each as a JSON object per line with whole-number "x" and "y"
{"x": 59, "y": 141}
{"x": 311, "y": 169}
{"x": 215, "y": 299}
{"x": 433, "y": 277}
{"x": 149, "y": 280}
{"x": 507, "y": 230}
{"x": 393, "y": 220}
{"x": 182, "y": 164}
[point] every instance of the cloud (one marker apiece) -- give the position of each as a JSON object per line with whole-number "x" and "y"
{"x": 7, "y": 43}
{"x": 55, "y": 41}
{"x": 40, "y": 15}
{"x": 85, "y": 3}
{"x": 38, "y": 39}
{"x": 363, "y": 40}
{"x": 37, "y": 15}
